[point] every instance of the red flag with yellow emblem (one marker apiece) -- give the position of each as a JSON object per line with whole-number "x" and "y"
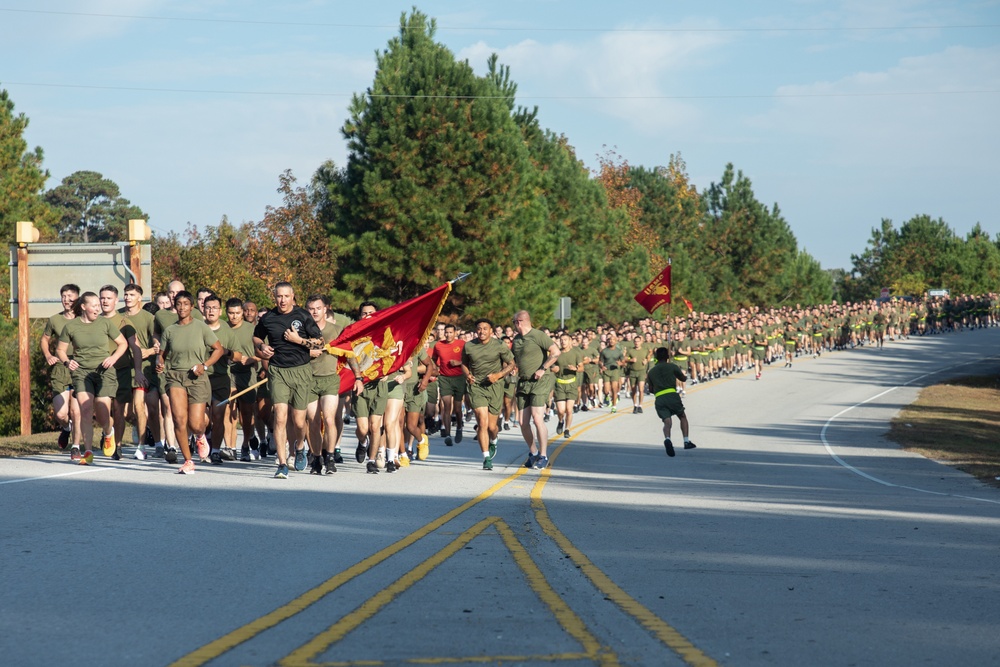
{"x": 656, "y": 293}
{"x": 384, "y": 342}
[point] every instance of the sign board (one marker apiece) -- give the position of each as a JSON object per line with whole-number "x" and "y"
{"x": 885, "y": 293}
{"x": 564, "y": 308}
{"x": 939, "y": 292}
{"x": 89, "y": 265}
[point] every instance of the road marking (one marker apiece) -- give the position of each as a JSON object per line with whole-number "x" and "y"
{"x": 570, "y": 622}
{"x": 81, "y": 471}
{"x": 662, "y": 630}
{"x": 878, "y": 480}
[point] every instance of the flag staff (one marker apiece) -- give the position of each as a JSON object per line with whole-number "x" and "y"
{"x": 460, "y": 278}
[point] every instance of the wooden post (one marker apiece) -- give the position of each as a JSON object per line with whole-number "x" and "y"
{"x": 135, "y": 261}
{"x": 24, "y": 338}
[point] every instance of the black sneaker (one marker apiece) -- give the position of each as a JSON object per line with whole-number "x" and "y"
{"x": 546, "y": 417}
{"x": 245, "y": 454}
{"x": 63, "y": 438}
{"x": 337, "y": 458}
{"x": 317, "y": 466}
{"x": 329, "y": 466}
{"x": 559, "y": 426}
{"x": 216, "y": 458}
{"x": 391, "y": 466}
{"x": 638, "y": 409}
{"x": 506, "y": 425}
{"x": 117, "y": 456}
{"x": 227, "y": 454}
{"x": 447, "y": 440}
{"x": 669, "y": 447}
{"x": 170, "y": 455}
{"x": 689, "y": 445}
{"x": 566, "y": 433}
{"x": 458, "y": 435}
{"x": 148, "y": 440}
{"x": 371, "y": 468}
{"x": 347, "y": 419}
{"x": 530, "y": 461}
{"x": 584, "y": 408}
{"x": 360, "y": 453}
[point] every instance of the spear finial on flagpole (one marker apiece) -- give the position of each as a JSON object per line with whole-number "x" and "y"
{"x": 460, "y": 278}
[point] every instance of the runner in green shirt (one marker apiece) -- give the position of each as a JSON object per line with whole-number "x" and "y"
{"x": 663, "y": 379}
{"x": 485, "y": 363}
{"x": 535, "y": 354}
{"x": 64, "y": 402}
{"x": 568, "y": 374}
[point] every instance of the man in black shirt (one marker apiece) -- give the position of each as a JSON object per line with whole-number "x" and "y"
{"x": 289, "y": 332}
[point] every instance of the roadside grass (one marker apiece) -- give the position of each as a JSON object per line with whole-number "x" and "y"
{"x": 956, "y": 423}
{"x": 46, "y": 443}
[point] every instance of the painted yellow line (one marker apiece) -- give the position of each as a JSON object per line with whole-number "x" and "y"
{"x": 663, "y": 631}
{"x": 491, "y": 659}
{"x": 231, "y": 640}
{"x": 570, "y": 622}
{"x": 227, "y": 642}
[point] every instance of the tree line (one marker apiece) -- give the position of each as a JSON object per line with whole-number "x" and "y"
{"x": 446, "y": 174}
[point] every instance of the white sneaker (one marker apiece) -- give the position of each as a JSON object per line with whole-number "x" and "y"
{"x": 140, "y": 453}
{"x": 254, "y": 455}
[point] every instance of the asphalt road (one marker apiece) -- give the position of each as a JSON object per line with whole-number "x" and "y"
{"x": 795, "y": 534}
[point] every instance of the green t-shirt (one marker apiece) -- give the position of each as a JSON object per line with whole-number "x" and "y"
{"x": 242, "y": 342}
{"x": 144, "y": 324}
{"x": 664, "y": 375}
{"x": 421, "y": 357}
{"x": 530, "y": 352}
{"x": 483, "y": 359}
{"x": 90, "y": 340}
{"x": 54, "y": 327}
{"x": 186, "y": 346}
{"x": 326, "y": 364}
{"x": 164, "y": 318}
{"x": 611, "y": 358}
{"x": 571, "y": 357}
{"x": 124, "y": 325}
{"x": 636, "y": 358}
{"x": 225, "y": 335}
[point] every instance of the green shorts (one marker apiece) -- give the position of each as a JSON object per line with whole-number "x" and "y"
{"x": 432, "y": 392}
{"x": 222, "y": 387}
{"x": 242, "y": 381}
{"x": 291, "y": 385}
{"x": 124, "y": 378}
{"x": 99, "y": 382}
{"x": 394, "y": 389}
{"x": 263, "y": 391}
{"x": 490, "y": 396}
{"x": 60, "y": 379}
{"x": 566, "y": 389}
{"x": 149, "y": 372}
{"x": 636, "y": 376}
{"x": 413, "y": 400}
{"x": 452, "y": 386}
{"x": 324, "y": 385}
{"x": 612, "y": 374}
{"x": 534, "y": 393}
{"x": 669, "y": 405}
{"x": 759, "y": 353}
{"x": 199, "y": 389}
{"x": 371, "y": 401}
{"x": 510, "y": 386}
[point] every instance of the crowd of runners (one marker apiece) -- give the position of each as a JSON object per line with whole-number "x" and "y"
{"x": 190, "y": 373}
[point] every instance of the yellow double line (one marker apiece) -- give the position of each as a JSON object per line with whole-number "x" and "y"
{"x": 629, "y": 605}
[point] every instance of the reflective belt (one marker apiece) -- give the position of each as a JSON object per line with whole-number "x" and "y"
{"x": 561, "y": 381}
{"x": 680, "y": 358}
{"x": 665, "y": 391}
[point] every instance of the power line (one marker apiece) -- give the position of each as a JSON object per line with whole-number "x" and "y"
{"x": 497, "y": 28}
{"x": 268, "y": 93}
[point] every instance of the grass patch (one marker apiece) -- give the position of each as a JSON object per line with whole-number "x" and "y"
{"x": 956, "y": 423}
{"x": 36, "y": 443}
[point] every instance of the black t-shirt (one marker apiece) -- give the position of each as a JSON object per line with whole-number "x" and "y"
{"x": 271, "y": 327}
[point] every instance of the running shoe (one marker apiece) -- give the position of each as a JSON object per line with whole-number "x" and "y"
{"x": 262, "y": 450}
{"x": 559, "y": 426}
{"x": 245, "y": 454}
{"x": 140, "y": 453}
{"x": 403, "y": 461}
{"x": 87, "y": 458}
{"x": 669, "y": 446}
{"x": 337, "y": 458}
{"x": 391, "y": 466}
{"x": 108, "y": 444}
{"x": 423, "y": 448}
{"x": 487, "y": 464}
{"x": 170, "y": 455}
{"x": 689, "y": 445}
{"x": 282, "y": 471}
{"x": 330, "y": 466}
{"x": 254, "y": 455}
{"x": 447, "y": 441}
{"x": 546, "y": 417}
{"x": 493, "y": 448}
{"x": 506, "y": 425}
{"x": 300, "y": 459}
{"x": 148, "y": 438}
{"x": 361, "y": 452}
{"x": 216, "y": 458}
{"x": 63, "y": 438}
{"x": 187, "y": 468}
{"x": 317, "y": 466}
{"x": 584, "y": 408}
{"x": 227, "y": 453}
{"x": 458, "y": 435}
{"x": 74, "y": 453}
{"x": 380, "y": 459}
{"x": 530, "y": 461}
{"x": 541, "y": 462}
{"x": 566, "y": 433}
{"x": 201, "y": 443}
{"x": 158, "y": 450}
{"x": 614, "y": 409}
{"x": 371, "y": 468}
{"x": 117, "y": 456}
{"x": 639, "y": 409}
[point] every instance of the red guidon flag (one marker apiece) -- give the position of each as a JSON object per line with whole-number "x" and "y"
{"x": 384, "y": 342}
{"x": 656, "y": 293}
{"x": 687, "y": 303}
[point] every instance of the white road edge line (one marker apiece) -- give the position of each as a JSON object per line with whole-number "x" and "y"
{"x": 848, "y": 466}
{"x": 62, "y": 474}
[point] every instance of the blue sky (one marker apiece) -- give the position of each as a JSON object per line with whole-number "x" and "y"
{"x": 841, "y": 112}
